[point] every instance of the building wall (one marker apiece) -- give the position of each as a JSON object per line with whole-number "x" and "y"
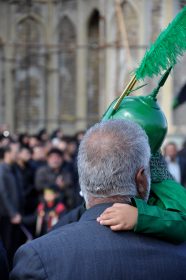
{"x": 46, "y": 84}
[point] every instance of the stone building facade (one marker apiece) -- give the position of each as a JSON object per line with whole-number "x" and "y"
{"x": 62, "y": 62}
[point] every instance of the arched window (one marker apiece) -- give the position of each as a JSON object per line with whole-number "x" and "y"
{"x": 93, "y": 70}
{"x": 29, "y": 77}
{"x": 67, "y": 72}
{"x": 131, "y": 23}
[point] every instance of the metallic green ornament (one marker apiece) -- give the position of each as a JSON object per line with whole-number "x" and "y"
{"x": 145, "y": 111}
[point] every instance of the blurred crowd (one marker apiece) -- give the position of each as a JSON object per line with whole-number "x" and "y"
{"x": 176, "y": 162}
{"x": 38, "y": 184}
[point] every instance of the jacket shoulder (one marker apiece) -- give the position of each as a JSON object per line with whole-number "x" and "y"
{"x": 28, "y": 264}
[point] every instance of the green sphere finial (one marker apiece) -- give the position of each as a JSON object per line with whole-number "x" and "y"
{"x": 145, "y": 111}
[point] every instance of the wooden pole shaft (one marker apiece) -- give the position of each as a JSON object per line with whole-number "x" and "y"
{"x": 123, "y": 32}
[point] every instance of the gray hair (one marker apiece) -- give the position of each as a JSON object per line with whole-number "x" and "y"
{"x": 110, "y": 155}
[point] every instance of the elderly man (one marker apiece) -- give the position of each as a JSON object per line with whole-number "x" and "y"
{"x": 113, "y": 165}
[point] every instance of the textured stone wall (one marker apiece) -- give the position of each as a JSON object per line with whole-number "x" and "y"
{"x": 62, "y": 85}
{"x": 29, "y": 77}
{"x": 2, "y": 86}
{"x": 156, "y": 14}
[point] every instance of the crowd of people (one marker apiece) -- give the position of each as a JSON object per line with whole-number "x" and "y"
{"x": 113, "y": 239}
{"x": 176, "y": 162}
{"x": 38, "y": 184}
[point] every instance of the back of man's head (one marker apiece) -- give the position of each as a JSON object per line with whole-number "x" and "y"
{"x": 110, "y": 155}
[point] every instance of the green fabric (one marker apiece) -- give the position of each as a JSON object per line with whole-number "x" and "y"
{"x": 158, "y": 168}
{"x": 154, "y": 219}
{"x": 84, "y": 207}
{"x": 167, "y": 49}
{"x": 175, "y": 103}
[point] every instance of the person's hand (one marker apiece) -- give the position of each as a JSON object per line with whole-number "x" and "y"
{"x": 119, "y": 217}
{"x": 60, "y": 182}
{"x": 16, "y": 219}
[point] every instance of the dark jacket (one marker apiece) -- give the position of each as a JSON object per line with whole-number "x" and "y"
{"x": 11, "y": 192}
{"x": 88, "y": 250}
{"x": 46, "y": 176}
{"x": 27, "y": 182}
{"x": 4, "y": 271}
{"x": 182, "y": 164}
{"x": 182, "y": 153}
{"x": 37, "y": 164}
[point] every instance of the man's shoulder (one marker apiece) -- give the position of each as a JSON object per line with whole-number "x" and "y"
{"x": 74, "y": 239}
{"x": 56, "y": 240}
{"x": 88, "y": 231}
{"x": 85, "y": 246}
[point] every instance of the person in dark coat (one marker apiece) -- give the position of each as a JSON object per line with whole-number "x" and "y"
{"x": 182, "y": 152}
{"x": 26, "y": 172}
{"x": 27, "y": 178}
{"x": 24, "y": 140}
{"x": 55, "y": 173}
{"x": 42, "y": 136}
{"x": 37, "y": 157}
{"x": 176, "y": 164}
{"x": 4, "y": 271}
{"x": 11, "y": 203}
{"x": 113, "y": 166}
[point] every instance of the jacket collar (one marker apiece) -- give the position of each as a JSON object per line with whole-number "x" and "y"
{"x": 95, "y": 211}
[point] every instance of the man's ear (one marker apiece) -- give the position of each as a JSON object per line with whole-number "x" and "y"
{"x": 140, "y": 181}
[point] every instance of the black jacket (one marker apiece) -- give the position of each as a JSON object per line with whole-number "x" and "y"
{"x": 88, "y": 250}
{"x": 46, "y": 176}
{"x": 4, "y": 273}
{"x": 11, "y": 193}
{"x": 182, "y": 164}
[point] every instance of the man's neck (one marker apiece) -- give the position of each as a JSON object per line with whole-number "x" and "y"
{"x": 99, "y": 200}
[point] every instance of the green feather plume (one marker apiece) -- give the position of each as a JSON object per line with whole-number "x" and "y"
{"x": 167, "y": 49}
